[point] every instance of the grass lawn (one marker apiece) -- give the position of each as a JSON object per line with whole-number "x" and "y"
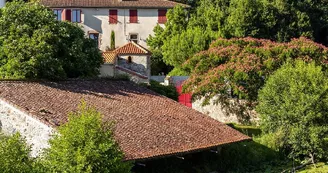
{"x": 320, "y": 168}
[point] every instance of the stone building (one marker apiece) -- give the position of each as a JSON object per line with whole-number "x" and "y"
{"x": 131, "y": 59}
{"x": 146, "y": 125}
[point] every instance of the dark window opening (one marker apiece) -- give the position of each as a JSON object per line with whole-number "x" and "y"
{"x": 134, "y": 38}
{"x": 95, "y": 37}
{"x": 129, "y": 59}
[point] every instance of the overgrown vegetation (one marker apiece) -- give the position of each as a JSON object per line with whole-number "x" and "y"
{"x": 33, "y": 44}
{"x": 168, "y": 91}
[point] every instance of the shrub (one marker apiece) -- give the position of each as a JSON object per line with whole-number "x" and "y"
{"x": 14, "y": 154}
{"x": 84, "y": 144}
{"x": 168, "y": 91}
{"x": 294, "y": 103}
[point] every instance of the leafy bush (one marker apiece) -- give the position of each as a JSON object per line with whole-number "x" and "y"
{"x": 84, "y": 144}
{"x": 168, "y": 91}
{"x": 33, "y": 44}
{"x": 14, "y": 155}
{"x": 294, "y": 103}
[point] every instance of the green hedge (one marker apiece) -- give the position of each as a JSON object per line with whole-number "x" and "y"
{"x": 168, "y": 91}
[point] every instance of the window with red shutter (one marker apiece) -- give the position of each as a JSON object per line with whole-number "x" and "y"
{"x": 68, "y": 14}
{"x": 133, "y": 16}
{"x": 113, "y": 16}
{"x": 162, "y": 16}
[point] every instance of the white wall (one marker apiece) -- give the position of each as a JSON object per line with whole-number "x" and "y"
{"x": 2, "y": 3}
{"x": 35, "y": 132}
{"x": 97, "y": 19}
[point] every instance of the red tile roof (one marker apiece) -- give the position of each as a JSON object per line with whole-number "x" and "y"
{"x": 131, "y": 48}
{"x": 111, "y": 3}
{"x": 147, "y": 125}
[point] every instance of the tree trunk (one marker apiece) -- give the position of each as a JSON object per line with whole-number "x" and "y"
{"x": 312, "y": 159}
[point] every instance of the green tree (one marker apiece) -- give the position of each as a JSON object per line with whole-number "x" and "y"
{"x": 181, "y": 46}
{"x": 85, "y": 144}
{"x": 294, "y": 102}
{"x": 112, "y": 40}
{"x": 14, "y": 154}
{"x": 33, "y": 44}
{"x": 277, "y": 20}
{"x": 177, "y": 22}
{"x": 237, "y": 68}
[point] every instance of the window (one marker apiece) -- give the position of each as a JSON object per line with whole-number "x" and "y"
{"x": 58, "y": 13}
{"x": 113, "y": 16}
{"x": 95, "y": 37}
{"x": 76, "y": 15}
{"x": 134, "y": 38}
{"x": 68, "y": 14}
{"x": 133, "y": 16}
{"x": 162, "y": 16}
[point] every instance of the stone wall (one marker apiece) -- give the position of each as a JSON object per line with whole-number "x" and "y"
{"x": 233, "y": 114}
{"x": 133, "y": 77}
{"x": 139, "y": 63}
{"x": 35, "y": 132}
{"x": 107, "y": 70}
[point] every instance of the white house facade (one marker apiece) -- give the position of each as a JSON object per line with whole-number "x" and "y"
{"x": 132, "y": 20}
{"x": 2, "y": 3}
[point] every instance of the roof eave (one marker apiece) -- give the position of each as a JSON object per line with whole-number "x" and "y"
{"x": 186, "y": 151}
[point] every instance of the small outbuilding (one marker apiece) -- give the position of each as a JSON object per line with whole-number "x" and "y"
{"x": 131, "y": 59}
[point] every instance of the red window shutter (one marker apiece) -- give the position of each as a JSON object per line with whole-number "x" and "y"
{"x": 133, "y": 16}
{"x": 68, "y": 15}
{"x": 162, "y": 16}
{"x": 113, "y": 16}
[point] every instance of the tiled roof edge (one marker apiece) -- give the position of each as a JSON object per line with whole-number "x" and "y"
{"x": 188, "y": 151}
{"x": 131, "y": 72}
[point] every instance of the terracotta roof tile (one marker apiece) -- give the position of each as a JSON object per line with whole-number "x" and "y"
{"x": 146, "y": 124}
{"x": 132, "y": 48}
{"x": 112, "y": 3}
{"x": 109, "y": 57}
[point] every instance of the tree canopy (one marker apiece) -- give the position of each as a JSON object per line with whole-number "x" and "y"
{"x": 294, "y": 103}
{"x": 277, "y": 20}
{"x": 239, "y": 67}
{"x": 33, "y": 44}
